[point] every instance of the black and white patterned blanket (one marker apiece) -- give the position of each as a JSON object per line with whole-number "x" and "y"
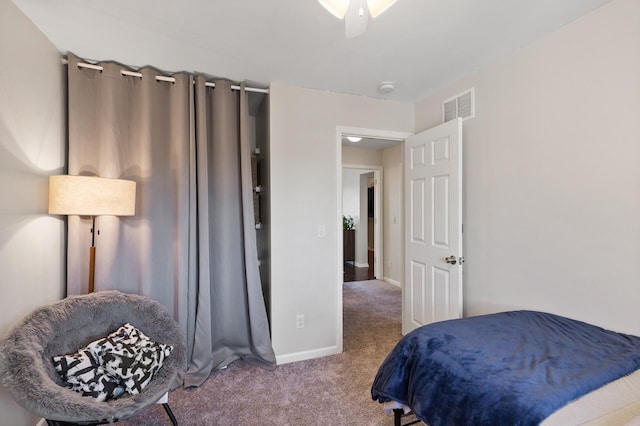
{"x": 124, "y": 361}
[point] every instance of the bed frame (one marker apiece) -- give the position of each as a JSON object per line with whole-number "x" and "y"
{"x": 397, "y": 418}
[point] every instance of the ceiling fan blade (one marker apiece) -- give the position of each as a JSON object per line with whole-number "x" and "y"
{"x": 356, "y": 18}
{"x": 376, "y": 7}
{"x": 337, "y": 7}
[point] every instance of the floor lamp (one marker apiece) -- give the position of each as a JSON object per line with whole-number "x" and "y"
{"x": 91, "y": 196}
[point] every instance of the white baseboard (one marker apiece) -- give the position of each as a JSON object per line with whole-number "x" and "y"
{"x": 393, "y": 282}
{"x": 301, "y": 356}
{"x": 361, "y": 265}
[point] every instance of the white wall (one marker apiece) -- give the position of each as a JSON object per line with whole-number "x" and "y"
{"x": 357, "y": 156}
{"x": 552, "y": 182}
{"x": 305, "y": 165}
{"x": 351, "y": 194}
{"x": 32, "y": 146}
{"x": 392, "y": 214}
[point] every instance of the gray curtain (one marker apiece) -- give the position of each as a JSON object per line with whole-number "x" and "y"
{"x": 192, "y": 243}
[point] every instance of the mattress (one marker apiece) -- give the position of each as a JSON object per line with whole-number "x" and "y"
{"x": 616, "y": 403}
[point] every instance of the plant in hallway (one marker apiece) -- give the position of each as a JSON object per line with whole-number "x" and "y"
{"x": 348, "y": 223}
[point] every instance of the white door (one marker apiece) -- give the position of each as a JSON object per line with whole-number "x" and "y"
{"x": 433, "y": 226}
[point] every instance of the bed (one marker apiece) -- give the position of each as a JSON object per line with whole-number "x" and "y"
{"x": 512, "y": 368}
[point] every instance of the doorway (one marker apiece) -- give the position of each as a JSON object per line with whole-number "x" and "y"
{"x": 370, "y": 137}
{"x": 362, "y": 230}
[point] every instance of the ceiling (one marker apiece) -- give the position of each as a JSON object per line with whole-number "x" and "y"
{"x": 420, "y": 45}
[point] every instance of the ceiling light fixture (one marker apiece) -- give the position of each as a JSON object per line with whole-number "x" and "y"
{"x": 386, "y": 87}
{"x": 354, "y": 139}
{"x": 353, "y": 13}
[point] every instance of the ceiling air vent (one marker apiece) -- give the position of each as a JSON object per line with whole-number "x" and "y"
{"x": 461, "y": 105}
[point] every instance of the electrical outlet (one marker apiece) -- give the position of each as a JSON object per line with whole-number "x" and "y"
{"x": 300, "y": 321}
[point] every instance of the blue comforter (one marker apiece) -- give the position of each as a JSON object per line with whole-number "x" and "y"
{"x": 510, "y": 368}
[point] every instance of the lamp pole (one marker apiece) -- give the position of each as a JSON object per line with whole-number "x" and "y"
{"x": 92, "y": 255}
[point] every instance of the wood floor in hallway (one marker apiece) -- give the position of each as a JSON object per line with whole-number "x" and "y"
{"x": 353, "y": 273}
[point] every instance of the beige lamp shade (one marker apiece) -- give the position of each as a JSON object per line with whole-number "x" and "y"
{"x": 91, "y": 196}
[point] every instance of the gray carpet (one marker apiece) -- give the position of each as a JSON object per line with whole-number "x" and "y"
{"x": 333, "y": 390}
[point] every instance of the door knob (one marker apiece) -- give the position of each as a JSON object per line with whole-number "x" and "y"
{"x": 451, "y": 259}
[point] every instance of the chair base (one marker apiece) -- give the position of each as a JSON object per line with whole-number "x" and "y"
{"x": 165, "y": 405}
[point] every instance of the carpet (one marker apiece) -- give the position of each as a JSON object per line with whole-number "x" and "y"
{"x": 333, "y": 390}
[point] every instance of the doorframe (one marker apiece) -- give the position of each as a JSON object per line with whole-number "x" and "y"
{"x": 378, "y": 242}
{"x": 366, "y": 133}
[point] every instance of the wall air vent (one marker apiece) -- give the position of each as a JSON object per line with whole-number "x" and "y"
{"x": 461, "y": 105}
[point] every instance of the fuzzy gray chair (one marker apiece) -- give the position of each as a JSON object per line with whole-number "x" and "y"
{"x": 26, "y": 352}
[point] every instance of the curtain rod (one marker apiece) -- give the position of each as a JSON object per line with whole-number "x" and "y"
{"x": 124, "y": 72}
